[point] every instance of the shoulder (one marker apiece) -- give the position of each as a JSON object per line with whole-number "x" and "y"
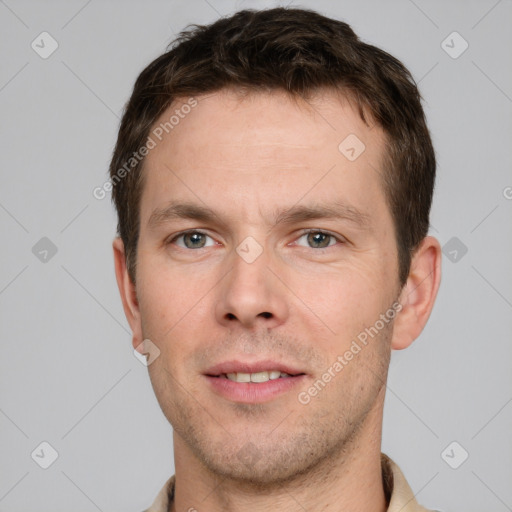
{"x": 399, "y": 493}
{"x": 163, "y": 498}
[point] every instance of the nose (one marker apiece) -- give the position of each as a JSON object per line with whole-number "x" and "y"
{"x": 251, "y": 295}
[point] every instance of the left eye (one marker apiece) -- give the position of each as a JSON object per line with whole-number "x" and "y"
{"x": 319, "y": 239}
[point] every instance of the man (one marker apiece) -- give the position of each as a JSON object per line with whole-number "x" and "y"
{"x": 273, "y": 178}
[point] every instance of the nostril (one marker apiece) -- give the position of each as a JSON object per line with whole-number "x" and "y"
{"x": 232, "y": 316}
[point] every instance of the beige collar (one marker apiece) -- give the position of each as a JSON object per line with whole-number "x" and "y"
{"x": 396, "y": 488}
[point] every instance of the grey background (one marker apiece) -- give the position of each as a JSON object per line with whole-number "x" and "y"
{"x": 67, "y": 372}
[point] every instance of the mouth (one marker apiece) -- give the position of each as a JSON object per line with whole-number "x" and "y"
{"x": 255, "y": 377}
{"x": 253, "y": 382}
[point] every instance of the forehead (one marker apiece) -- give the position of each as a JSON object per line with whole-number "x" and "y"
{"x": 263, "y": 148}
{"x": 262, "y": 121}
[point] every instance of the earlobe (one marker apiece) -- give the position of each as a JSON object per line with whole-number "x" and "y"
{"x": 418, "y": 294}
{"x": 127, "y": 291}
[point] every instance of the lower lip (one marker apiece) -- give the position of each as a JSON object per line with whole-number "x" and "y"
{"x": 253, "y": 392}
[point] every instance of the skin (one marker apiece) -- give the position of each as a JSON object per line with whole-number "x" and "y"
{"x": 245, "y": 158}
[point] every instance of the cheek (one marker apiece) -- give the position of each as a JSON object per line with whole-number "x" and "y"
{"x": 171, "y": 302}
{"x": 343, "y": 299}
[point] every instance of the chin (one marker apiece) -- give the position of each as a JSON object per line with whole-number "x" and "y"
{"x": 267, "y": 474}
{"x": 257, "y": 466}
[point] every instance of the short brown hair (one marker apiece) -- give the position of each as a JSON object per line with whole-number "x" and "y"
{"x": 298, "y": 51}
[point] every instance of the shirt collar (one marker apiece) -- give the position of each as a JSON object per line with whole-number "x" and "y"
{"x": 398, "y": 493}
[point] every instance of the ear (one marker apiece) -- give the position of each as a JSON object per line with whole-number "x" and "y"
{"x": 127, "y": 291}
{"x": 418, "y": 294}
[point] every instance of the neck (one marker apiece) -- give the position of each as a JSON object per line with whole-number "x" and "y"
{"x": 350, "y": 481}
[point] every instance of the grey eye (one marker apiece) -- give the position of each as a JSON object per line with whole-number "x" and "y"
{"x": 193, "y": 240}
{"x": 318, "y": 239}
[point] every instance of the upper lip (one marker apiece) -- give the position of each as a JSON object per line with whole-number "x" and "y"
{"x": 254, "y": 367}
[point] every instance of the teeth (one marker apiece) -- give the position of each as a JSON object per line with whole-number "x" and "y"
{"x": 260, "y": 377}
{"x": 256, "y": 377}
{"x": 240, "y": 377}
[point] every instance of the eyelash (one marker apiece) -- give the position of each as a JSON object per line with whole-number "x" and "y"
{"x": 302, "y": 234}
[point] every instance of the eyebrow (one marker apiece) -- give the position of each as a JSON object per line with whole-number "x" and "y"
{"x": 337, "y": 211}
{"x": 298, "y": 213}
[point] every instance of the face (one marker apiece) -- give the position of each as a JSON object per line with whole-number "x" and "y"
{"x": 264, "y": 247}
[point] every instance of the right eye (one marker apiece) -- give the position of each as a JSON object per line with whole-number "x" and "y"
{"x": 192, "y": 240}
